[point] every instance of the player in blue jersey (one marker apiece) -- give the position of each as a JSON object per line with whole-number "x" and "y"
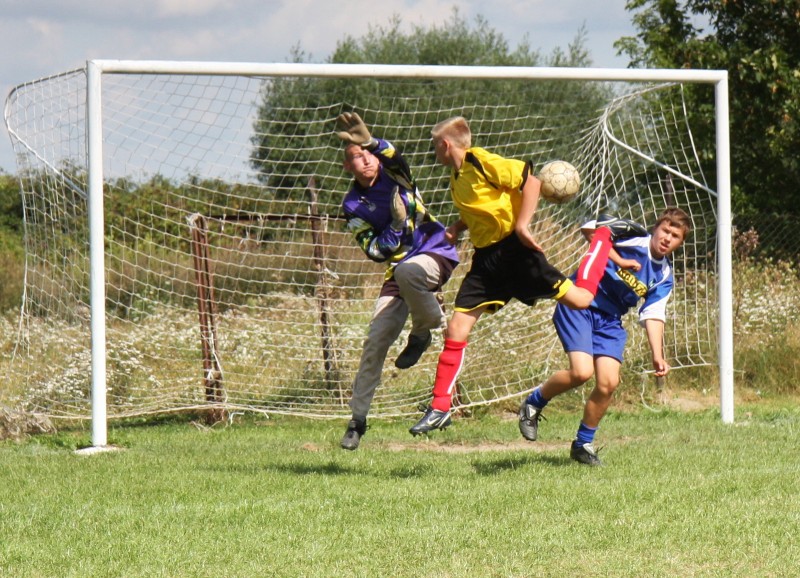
{"x": 639, "y": 268}
{"x": 390, "y": 223}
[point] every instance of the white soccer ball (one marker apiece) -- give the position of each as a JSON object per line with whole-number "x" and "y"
{"x": 560, "y": 181}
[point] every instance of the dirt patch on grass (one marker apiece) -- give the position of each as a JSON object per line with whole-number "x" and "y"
{"x": 686, "y": 400}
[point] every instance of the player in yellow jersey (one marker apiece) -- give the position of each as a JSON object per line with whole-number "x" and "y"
{"x": 496, "y": 198}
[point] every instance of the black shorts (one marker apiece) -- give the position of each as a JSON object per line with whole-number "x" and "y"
{"x": 505, "y": 270}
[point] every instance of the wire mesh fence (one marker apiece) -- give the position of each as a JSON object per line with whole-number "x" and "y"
{"x": 767, "y": 236}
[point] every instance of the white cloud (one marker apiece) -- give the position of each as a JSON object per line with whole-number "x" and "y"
{"x": 46, "y": 37}
{"x": 182, "y": 8}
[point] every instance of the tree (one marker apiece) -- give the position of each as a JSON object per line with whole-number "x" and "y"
{"x": 454, "y": 43}
{"x": 295, "y": 114}
{"x": 11, "y": 211}
{"x": 12, "y": 257}
{"x": 758, "y": 43}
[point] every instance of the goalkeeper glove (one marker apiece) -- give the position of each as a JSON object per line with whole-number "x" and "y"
{"x": 398, "y": 210}
{"x": 351, "y": 129}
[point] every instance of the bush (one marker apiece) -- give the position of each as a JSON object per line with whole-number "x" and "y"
{"x": 12, "y": 264}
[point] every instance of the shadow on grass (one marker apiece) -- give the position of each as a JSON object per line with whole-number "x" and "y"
{"x": 500, "y": 465}
{"x": 329, "y": 469}
{"x": 334, "y": 469}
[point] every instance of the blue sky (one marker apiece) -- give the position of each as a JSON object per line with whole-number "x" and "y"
{"x": 44, "y": 37}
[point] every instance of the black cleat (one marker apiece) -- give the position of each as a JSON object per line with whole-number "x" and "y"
{"x": 620, "y": 228}
{"x": 433, "y": 419}
{"x": 585, "y": 454}
{"x": 355, "y": 429}
{"x": 414, "y": 349}
{"x": 529, "y": 416}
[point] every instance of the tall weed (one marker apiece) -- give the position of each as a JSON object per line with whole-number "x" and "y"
{"x": 766, "y": 330}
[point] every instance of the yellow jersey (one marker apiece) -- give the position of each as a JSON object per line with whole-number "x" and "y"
{"x": 486, "y": 190}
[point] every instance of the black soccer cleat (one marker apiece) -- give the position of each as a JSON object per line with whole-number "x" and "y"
{"x": 529, "y": 416}
{"x": 352, "y": 437}
{"x": 620, "y": 228}
{"x": 414, "y": 349}
{"x": 432, "y": 420}
{"x": 585, "y": 454}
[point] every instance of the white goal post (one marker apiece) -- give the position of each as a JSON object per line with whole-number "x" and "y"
{"x": 629, "y": 159}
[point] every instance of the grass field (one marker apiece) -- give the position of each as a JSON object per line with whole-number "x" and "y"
{"x": 681, "y": 494}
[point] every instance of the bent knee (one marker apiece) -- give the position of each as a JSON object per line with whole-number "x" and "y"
{"x": 607, "y": 387}
{"x": 580, "y": 375}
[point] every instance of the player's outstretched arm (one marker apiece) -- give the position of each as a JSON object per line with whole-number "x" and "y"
{"x": 530, "y": 200}
{"x": 655, "y": 338}
{"x": 622, "y": 263}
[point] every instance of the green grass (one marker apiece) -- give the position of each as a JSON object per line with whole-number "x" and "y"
{"x": 682, "y": 494}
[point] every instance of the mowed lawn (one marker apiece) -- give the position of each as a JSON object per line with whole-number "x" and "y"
{"x": 681, "y": 494}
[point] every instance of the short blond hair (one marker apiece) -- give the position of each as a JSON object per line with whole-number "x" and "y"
{"x": 347, "y": 148}
{"x": 454, "y": 129}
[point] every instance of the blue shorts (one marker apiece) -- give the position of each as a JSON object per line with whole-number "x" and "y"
{"x": 590, "y": 331}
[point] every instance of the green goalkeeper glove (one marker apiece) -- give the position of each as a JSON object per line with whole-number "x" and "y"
{"x": 351, "y": 129}
{"x": 398, "y": 209}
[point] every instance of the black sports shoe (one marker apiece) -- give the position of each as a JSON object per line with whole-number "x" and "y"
{"x": 529, "y": 416}
{"x": 355, "y": 429}
{"x": 413, "y": 351}
{"x": 585, "y": 454}
{"x": 433, "y": 419}
{"x": 620, "y": 228}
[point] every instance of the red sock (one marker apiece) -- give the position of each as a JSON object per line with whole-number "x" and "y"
{"x": 450, "y": 361}
{"x": 593, "y": 264}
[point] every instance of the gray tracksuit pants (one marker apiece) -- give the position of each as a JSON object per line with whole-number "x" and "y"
{"x": 418, "y": 279}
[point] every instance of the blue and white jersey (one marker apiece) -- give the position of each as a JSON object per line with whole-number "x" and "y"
{"x": 368, "y": 213}
{"x": 622, "y": 289}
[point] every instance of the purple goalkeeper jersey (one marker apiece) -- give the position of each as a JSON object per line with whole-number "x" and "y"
{"x": 368, "y": 213}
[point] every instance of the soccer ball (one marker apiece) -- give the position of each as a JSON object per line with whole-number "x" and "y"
{"x": 560, "y": 181}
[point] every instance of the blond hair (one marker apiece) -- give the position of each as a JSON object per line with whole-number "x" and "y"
{"x": 348, "y": 147}
{"x": 455, "y": 129}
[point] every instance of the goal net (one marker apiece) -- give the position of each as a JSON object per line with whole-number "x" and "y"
{"x": 230, "y": 282}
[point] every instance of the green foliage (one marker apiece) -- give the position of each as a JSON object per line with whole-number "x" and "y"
{"x": 12, "y": 254}
{"x": 297, "y": 113}
{"x": 454, "y": 43}
{"x": 161, "y": 207}
{"x": 11, "y": 212}
{"x": 12, "y": 265}
{"x": 758, "y": 43}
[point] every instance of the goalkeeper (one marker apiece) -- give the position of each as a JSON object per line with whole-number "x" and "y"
{"x": 594, "y": 339}
{"x": 386, "y": 215}
{"x": 496, "y": 198}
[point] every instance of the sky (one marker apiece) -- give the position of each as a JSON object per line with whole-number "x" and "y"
{"x": 46, "y": 37}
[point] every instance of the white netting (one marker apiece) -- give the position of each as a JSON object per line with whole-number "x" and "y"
{"x": 228, "y": 287}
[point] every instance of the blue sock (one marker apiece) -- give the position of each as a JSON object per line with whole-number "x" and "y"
{"x": 535, "y": 398}
{"x": 585, "y": 434}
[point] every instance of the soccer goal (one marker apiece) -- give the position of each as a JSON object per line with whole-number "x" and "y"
{"x": 186, "y": 251}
